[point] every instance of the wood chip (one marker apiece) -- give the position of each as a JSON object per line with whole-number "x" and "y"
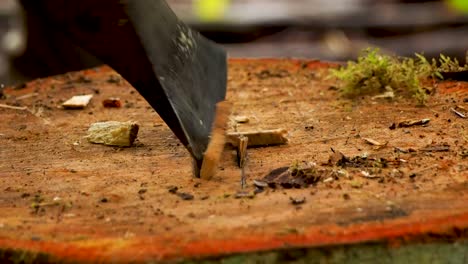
{"x": 241, "y": 119}
{"x": 372, "y": 142}
{"x": 77, "y": 101}
{"x": 218, "y": 138}
{"x": 259, "y": 138}
{"x": 113, "y": 133}
{"x": 13, "y": 107}
{"x": 410, "y": 123}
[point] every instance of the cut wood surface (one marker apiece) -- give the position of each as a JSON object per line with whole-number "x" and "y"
{"x": 76, "y": 201}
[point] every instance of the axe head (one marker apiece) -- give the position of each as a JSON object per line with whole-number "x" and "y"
{"x": 181, "y": 74}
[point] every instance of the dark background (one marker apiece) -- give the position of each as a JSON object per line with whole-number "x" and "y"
{"x": 322, "y": 29}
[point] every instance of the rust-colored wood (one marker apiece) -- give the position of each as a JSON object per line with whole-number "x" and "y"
{"x": 104, "y": 204}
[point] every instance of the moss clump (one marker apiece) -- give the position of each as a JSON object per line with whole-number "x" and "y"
{"x": 375, "y": 73}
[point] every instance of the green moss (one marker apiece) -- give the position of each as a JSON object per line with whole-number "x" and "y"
{"x": 375, "y": 73}
{"x": 448, "y": 64}
{"x": 364, "y": 253}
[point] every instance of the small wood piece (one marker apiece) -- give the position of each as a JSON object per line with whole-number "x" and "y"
{"x": 112, "y": 102}
{"x": 259, "y": 138}
{"x": 218, "y": 138}
{"x": 77, "y": 101}
{"x": 113, "y": 133}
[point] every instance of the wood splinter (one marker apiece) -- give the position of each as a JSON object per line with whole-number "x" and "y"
{"x": 218, "y": 139}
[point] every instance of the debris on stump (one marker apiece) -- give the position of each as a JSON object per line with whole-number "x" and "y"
{"x": 13, "y": 107}
{"x": 367, "y": 174}
{"x": 112, "y": 102}
{"x": 260, "y": 184}
{"x": 173, "y": 189}
{"x": 459, "y": 111}
{"x": 77, "y": 101}
{"x": 259, "y": 138}
{"x": 241, "y": 119}
{"x": 402, "y": 150}
{"x": 410, "y": 123}
{"x": 113, "y": 133}
{"x": 387, "y": 95}
{"x": 373, "y": 142}
{"x": 299, "y": 175}
{"x": 114, "y": 79}
{"x": 26, "y": 96}
{"x": 244, "y": 194}
{"x": 356, "y": 184}
{"x": 339, "y": 159}
{"x": 329, "y": 179}
{"x": 185, "y": 196}
{"x": 436, "y": 148}
{"x": 297, "y": 201}
{"x": 464, "y": 153}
